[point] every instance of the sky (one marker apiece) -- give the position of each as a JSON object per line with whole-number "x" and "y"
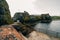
{"x": 35, "y": 7}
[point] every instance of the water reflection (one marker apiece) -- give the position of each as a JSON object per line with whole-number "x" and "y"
{"x": 54, "y": 26}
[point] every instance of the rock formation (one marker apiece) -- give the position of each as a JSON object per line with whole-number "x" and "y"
{"x": 5, "y": 17}
{"x": 45, "y": 18}
{"x": 9, "y": 33}
{"x": 25, "y": 30}
{"x": 20, "y": 16}
{"x": 38, "y": 36}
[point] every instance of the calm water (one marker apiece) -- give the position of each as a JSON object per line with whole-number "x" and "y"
{"x": 54, "y": 26}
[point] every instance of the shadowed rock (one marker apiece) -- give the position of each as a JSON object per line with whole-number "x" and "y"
{"x": 25, "y": 30}
{"x": 5, "y": 17}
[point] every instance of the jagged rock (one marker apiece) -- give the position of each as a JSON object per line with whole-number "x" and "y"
{"x": 25, "y": 30}
{"x": 9, "y": 33}
{"x": 5, "y": 17}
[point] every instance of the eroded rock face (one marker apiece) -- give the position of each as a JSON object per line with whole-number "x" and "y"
{"x": 9, "y": 33}
{"x": 5, "y": 17}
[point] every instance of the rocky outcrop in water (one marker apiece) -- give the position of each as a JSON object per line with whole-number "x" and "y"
{"x": 45, "y": 18}
{"x": 5, "y": 17}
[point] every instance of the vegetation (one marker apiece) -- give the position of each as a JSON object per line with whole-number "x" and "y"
{"x": 26, "y": 18}
{"x": 5, "y": 17}
{"x": 55, "y": 17}
{"x": 46, "y": 18}
{"x": 21, "y": 16}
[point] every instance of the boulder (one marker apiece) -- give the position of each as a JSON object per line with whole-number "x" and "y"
{"x": 38, "y": 36}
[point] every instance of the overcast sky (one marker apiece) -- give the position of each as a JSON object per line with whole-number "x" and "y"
{"x": 35, "y": 7}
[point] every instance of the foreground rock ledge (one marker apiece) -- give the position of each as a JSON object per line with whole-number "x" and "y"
{"x": 38, "y": 36}
{"x": 9, "y": 33}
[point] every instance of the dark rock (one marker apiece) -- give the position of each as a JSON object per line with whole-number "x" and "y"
{"x": 45, "y": 18}
{"x": 5, "y": 17}
{"x": 20, "y": 16}
{"x": 25, "y": 30}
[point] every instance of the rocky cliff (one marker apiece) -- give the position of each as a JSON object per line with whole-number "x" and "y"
{"x": 5, "y": 17}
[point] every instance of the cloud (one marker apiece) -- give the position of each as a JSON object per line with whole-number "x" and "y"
{"x": 21, "y": 5}
{"x": 35, "y": 6}
{"x": 50, "y": 6}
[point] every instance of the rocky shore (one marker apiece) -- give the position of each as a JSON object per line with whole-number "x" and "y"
{"x": 8, "y": 32}
{"x": 12, "y": 30}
